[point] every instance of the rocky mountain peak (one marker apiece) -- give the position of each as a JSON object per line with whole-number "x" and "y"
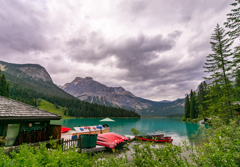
{"x": 36, "y": 72}
{"x": 33, "y": 71}
{"x": 80, "y": 79}
{"x": 88, "y": 78}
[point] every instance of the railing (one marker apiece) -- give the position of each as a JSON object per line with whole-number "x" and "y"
{"x": 77, "y": 143}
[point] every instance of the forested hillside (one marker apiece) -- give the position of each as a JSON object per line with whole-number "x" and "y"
{"x": 29, "y": 82}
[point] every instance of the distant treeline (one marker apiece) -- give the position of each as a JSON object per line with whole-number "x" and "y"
{"x": 73, "y": 107}
{"x": 175, "y": 115}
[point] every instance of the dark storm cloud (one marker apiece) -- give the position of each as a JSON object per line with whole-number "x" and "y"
{"x": 139, "y": 55}
{"x": 136, "y": 55}
{"x": 165, "y": 58}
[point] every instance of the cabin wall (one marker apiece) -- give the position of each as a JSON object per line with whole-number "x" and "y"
{"x": 26, "y": 128}
{"x": 29, "y": 126}
{"x": 1, "y": 130}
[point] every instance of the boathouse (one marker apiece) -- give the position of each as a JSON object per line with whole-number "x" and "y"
{"x": 22, "y": 123}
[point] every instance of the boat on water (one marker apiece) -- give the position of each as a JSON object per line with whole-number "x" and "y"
{"x": 155, "y": 138}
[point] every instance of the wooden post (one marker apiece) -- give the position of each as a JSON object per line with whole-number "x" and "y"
{"x": 62, "y": 143}
{"x": 81, "y": 143}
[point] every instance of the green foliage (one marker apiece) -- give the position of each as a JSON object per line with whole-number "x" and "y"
{"x": 193, "y": 111}
{"x": 187, "y": 107}
{"x": 135, "y": 131}
{"x": 184, "y": 119}
{"x": 30, "y": 156}
{"x": 4, "y": 87}
{"x": 219, "y": 64}
{"x": 149, "y": 154}
{"x": 222, "y": 147}
{"x": 45, "y": 105}
{"x": 202, "y": 98}
{"x": 237, "y": 86}
{"x": 56, "y": 106}
{"x": 233, "y": 20}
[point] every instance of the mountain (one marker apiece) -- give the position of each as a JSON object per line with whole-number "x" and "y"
{"x": 29, "y": 83}
{"x": 92, "y": 91}
{"x": 165, "y": 101}
{"x": 32, "y": 76}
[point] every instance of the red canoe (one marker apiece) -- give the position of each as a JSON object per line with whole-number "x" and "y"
{"x": 106, "y": 138}
{"x": 106, "y": 144}
{"x": 109, "y": 136}
{"x": 159, "y": 140}
{"x": 119, "y": 136}
{"x": 64, "y": 129}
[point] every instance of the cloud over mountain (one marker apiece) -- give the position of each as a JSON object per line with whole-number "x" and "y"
{"x": 155, "y": 49}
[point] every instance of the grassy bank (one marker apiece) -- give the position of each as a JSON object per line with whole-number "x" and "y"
{"x": 45, "y": 105}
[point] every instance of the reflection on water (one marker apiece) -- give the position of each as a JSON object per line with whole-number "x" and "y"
{"x": 169, "y": 126}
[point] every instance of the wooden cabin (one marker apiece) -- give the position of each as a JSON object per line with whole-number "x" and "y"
{"x": 22, "y": 123}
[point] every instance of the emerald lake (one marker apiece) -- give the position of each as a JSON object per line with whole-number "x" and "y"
{"x": 168, "y": 126}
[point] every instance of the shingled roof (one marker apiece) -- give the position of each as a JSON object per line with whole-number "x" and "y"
{"x": 13, "y": 110}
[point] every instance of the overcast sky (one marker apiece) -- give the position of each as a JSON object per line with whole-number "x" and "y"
{"x": 153, "y": 48}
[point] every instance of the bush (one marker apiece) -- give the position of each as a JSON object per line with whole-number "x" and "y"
{"x": 184, "y": 119}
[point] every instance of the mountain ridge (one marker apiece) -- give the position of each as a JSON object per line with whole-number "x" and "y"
{"x": 89, "y": 90}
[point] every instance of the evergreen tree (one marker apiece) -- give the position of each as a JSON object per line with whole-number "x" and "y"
{"x": 233, "y": 25}
{"x": 237, "y": 85}
{"x": 187, "y": 107}
{"x": 219, "y": 65}
{"x": 192, "y": 104}
{"x": 233, "y": 20}
{"x": 4, "y": 87}
{"x": 201, "y": 98}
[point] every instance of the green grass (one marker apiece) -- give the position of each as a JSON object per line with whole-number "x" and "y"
{"x": 45, "y": 105}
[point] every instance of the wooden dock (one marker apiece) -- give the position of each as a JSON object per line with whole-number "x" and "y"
{"x": 98, "y": 148}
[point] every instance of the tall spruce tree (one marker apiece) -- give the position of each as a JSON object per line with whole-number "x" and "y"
{"x": 233, "y": 20}
{"x": 192, "y": 104}
{"x": 233, "y": 25}
{"x": 219, "y": 64}
{"x": 187, "y": 107}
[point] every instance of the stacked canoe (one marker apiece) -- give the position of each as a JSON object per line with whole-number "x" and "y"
{"x": 111, "y": 140}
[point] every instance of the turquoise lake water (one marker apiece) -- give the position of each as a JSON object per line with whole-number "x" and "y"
{"x": 169, "y": 126}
